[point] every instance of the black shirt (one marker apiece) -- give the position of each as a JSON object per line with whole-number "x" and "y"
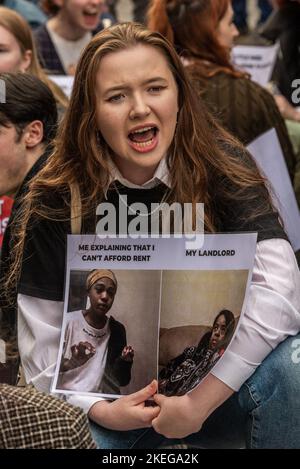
{"x": 45, "y": 249}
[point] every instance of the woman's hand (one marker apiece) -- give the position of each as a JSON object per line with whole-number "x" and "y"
{"x": 128, "y": 412}
{"x": 178, "y": 416}
{"x": 127, "y": 353}
{"x": 181, "y": 416}
{"x": 81, "y": 353}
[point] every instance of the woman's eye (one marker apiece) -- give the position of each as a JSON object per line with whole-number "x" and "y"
{"x": 155, "y": 89}
{"x": 115, "y": 98}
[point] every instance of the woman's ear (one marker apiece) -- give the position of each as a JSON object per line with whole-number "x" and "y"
{"x": 26, "y": 61}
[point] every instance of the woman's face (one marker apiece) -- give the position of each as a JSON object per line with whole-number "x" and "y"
{"x": 11, "y": 57}
{"x": 137, "y": 105}
{"x": 81, "y": 14}
{"x": 226, "y": 30}
{"x": 102, "y": 295}
{"x": 218, "y": 332}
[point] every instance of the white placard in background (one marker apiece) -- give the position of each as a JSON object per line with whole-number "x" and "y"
{"x": 65, "y": 82}
{"x": 267, "y": 153}
{"x": 258, "y": 61}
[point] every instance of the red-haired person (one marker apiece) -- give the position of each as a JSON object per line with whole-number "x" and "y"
{"x": 203, "y": 32}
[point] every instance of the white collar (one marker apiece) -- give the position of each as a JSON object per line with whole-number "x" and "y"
{"x": 161, "y": 175}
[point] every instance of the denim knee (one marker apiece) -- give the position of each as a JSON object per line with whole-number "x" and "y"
{"x": 278, "y": 373}
{"x": 271, "y": 398}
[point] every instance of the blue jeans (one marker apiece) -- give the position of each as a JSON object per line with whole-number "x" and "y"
{"x": 265, "y": 413}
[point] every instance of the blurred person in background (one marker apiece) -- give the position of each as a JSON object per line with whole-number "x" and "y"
{"x": 203, "y": 33}
{"x": 62, "y": 38}
{"x": 139, "y": 9}
{"x": 241, "y": 14}
{"x": 28, "y": 121}
{"x": 18, "y": 52}
{"x": 283, "y": 27}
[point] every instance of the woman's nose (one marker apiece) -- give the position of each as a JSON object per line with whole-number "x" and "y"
{"x": 104, "y": 296}
{"x": 235, "y": 32}
{"x": 139, "y": 108}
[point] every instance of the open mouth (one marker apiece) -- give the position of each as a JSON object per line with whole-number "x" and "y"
{"x": 144, "y": 139}
{"x": 91, "y": 15}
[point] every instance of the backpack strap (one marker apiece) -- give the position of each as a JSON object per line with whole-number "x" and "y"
{"x": 76, "y": 209}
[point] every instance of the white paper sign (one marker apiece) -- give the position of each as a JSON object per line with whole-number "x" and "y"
{"x": 133, "y": 305}
{"x": 267, "y": 153}
{"x": 65, "y": 82}
{"x": 258, "y": 61}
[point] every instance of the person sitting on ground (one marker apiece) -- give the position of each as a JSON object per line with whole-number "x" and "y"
{"x": 142, "y": 132}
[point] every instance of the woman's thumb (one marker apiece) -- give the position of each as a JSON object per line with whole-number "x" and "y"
{"x": 145, "y": 393}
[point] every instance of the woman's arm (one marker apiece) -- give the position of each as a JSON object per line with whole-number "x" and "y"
{"x": 126, "y": 413}
{"x": 271, "y": 315}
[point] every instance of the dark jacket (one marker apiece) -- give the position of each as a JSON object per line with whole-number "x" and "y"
{"x": 48, "y": 56}
{"x": 245, "y": 109}
{"x": 283, "y": 26}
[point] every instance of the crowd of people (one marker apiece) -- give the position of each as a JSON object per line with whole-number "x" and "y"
{"x": 158, "y": 113}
